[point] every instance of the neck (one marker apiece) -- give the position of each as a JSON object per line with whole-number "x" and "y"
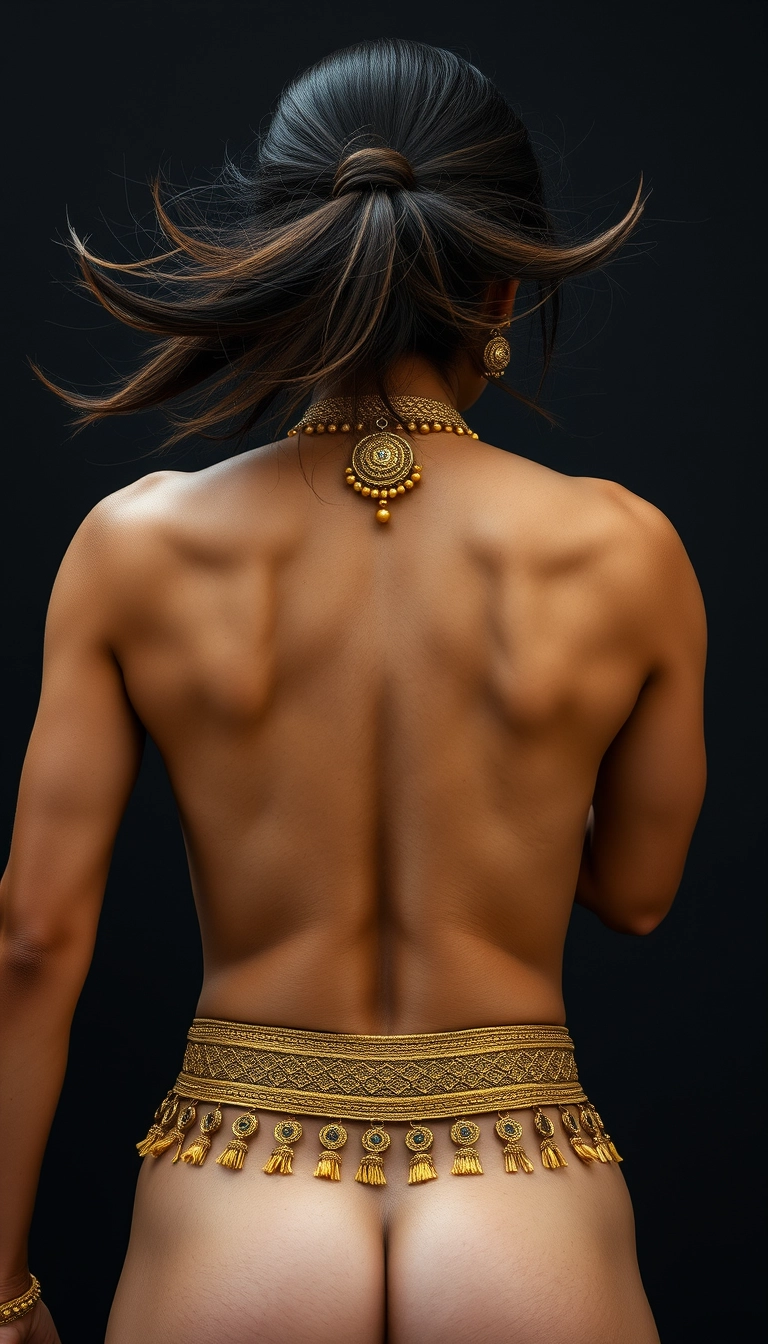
{"x": 411, "y": 377}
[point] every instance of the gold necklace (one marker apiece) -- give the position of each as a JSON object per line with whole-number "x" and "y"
{"x": 383, "y": 464}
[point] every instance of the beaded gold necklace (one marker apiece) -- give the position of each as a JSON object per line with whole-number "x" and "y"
{"x": 383, "y": 464}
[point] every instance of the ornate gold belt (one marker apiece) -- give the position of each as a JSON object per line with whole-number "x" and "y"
{"x": 382, "y": 1080}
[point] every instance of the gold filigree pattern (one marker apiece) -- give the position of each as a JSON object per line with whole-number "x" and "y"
{"x": 437, "y": 1075}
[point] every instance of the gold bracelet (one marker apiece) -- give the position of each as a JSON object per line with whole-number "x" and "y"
{"x": 20, "y": 1306}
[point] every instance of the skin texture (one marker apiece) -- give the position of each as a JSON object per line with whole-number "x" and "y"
{"x": 384, "y": 744}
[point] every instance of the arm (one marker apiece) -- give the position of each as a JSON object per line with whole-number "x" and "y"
{"x": 650, "y": 784}
{"x": 81, "y": 764}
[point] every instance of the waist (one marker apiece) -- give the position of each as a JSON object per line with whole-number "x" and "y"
{"x": 435, "y": 1075}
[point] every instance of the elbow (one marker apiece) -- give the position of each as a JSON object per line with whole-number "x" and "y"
{"x": 634, "y": 917}
{"x": 638, "y": 924}
{"x": 24, "y": 956}
{"x": 30, "y": 956}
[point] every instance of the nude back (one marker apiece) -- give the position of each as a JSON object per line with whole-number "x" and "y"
{"x": 383, "y": 741}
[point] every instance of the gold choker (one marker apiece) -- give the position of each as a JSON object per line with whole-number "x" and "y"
{"x": 383, "y": 464}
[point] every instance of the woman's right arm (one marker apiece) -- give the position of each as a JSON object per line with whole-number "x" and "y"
{"x": 81, "y": 764}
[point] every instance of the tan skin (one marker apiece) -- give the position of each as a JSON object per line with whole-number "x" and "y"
{"x": 384, "y": 744}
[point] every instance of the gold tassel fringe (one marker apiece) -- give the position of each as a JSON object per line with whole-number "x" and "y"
{"x": 145, "y": 1147}
{"x": 166, "y": 1141}
{"x": 584, "y": 1150}
{"x": 197, "y": 1151}
{"x": 592, "y": 1144}
{"x": 234, "y": 1155}
{"x": 419, "y": 1140}
{"x": 576, "y": 1139}
{"x": 467, "y": 1163}
{"x": 421, "y": 1168}
{"x": 332, "y": 1137}
{"x": 467, "y": 1160}
{"x": 607, "y": 1140}
{"x": 375, "y": 1142}
{"x": 604, "y": 1147}
{"x": 551, "y": 1157}
{"x": 184, "y": 1119}
{"x": 516, "y": 1159}
{"x": 371, "y": 1170}
{"x": 161, "y": 1122}
{"x": 280, "y": 1160}
{"x": 328, "y": 1166}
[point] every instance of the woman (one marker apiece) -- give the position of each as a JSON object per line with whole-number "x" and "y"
{"x": 396, "y": 676}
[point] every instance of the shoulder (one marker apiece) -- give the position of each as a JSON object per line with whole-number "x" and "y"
{"x": 627, "y": 522}
{"x": 599, "y": 521}
{"x": 164, "y": 512}
{"x": 637, "y": 558}
{"x": 614, "y": 544}
{"x": 133, "y": 539}
{"x": 637, "y": 537}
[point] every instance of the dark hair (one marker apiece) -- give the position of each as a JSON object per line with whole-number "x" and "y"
{"x": 394, "y": 185}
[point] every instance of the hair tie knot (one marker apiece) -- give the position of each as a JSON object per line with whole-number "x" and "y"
{"x": 373, "y": 170}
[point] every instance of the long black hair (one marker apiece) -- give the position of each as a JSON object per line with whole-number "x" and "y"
{"x": 394, "y": 185}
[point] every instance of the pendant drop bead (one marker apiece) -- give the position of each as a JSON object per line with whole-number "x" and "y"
{"x": 383, "y": 465}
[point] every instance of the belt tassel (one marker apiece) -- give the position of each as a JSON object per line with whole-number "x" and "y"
{"x": 604, "y": 1147}
{"x": 234, "y": 1155}
{"x": 332, "y": 1137}
{"x": 467, "y": 1160}
{"x": 421, "y": 1167}
{"x": 200, "y": 1147}
{"x": 575, "y": 1137}
{"x": 281, "y": 1158}
{"x": 375, "y": 1141}
{"x": 551, "y": 1157}
{"x": 184, "y": 1119}
{"x": 510, "y": 1131}
{"x": 607, "y": 1140}
{"x": 161, "y": 1120}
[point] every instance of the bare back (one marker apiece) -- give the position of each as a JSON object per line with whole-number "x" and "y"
{"x": 383, "y": 742}
{"x": 385, "y": 745}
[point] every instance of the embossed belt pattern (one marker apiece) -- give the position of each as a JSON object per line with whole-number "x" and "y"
{"x": 382, "y": 1080}
{"x": 388, "y": 1078}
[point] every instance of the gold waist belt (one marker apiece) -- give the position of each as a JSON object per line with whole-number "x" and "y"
{"x": 381, "y": 1080}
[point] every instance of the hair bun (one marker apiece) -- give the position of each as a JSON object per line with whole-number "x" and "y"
{"x": 373, "y": 170}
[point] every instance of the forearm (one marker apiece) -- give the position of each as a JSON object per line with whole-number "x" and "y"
{"x": 38, "y": 993}
{"x": 630, "y": 887}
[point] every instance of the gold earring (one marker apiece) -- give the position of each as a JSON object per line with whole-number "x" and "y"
{"x": 497, "y": 354}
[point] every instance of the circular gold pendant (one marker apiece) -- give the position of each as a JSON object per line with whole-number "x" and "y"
{"x": 496, "y": 356}
{"x": 419, "y": 1138}
{"x": 375, "y": 1139}
{"x": 465, "y": 1131}
{"x": 382, "y": 460}
{"x": 510, "y": 1129}
{"x": 333, "y": 1136}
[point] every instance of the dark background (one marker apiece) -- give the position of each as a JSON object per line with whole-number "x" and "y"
{"x": 655, "y": 386}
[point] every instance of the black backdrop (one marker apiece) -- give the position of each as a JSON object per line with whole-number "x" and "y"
{"x": 655, "y": 387}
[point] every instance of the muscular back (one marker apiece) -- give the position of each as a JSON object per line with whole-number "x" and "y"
{"x": 383, "y": 741}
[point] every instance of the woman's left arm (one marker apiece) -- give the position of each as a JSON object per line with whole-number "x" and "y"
{"x": 81, "y": 764}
